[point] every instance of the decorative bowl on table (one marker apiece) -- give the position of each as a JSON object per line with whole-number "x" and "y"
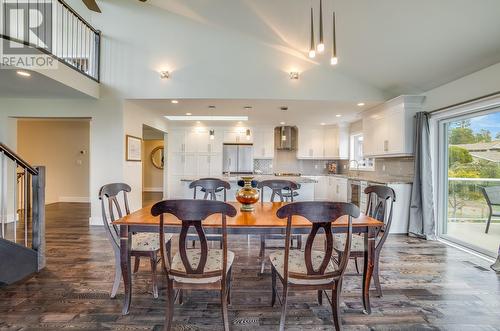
{"x": 247, "y": 195}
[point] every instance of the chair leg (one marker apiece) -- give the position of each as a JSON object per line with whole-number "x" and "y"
{"x": 194, "y": 243}
{"x": 169, "y": 251}
{"x": 283, "y": 307}
{"x": 225, "y": 316}
{"x": 376, "y": 277}
{"x": 170, "y": 305}
{"x": 262, "y": 253}
{"x": 116, "y": 283}
{"x": 320, "y": 297}
{"x": 181, "y": 297}
{"x": 137, "y": 263}
{"x": 336, "y": 291}
{"x": 229, "y": 280}
{"x": 220, "y": 244}
{"x": 273, "y": 285}
{"x": 154, "y": 261}
{"x": 488, "y": 224}
{"x": 356, "y": 264}
{"x": 299, "y": 242}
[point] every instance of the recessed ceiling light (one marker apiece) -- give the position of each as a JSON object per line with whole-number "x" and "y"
{"x": 294, "y": 75}
{"x": 23, "y": 73}
{"x": 247, "y": 107}
{"x": 211, "y": 107}
{"x": 284, "y": 108}
{"x": 205, "y": 118}
{"x": 322, "y": 123}
{"x": 361, "y": 104}
{"x": 174, "y": 101}
{"x": 188, "y": 114}
{"x": 198, "y": 122}
{"x": 164, "y": 74}
{"x": 282, "y": 123}
{"x": 338, "y": 115}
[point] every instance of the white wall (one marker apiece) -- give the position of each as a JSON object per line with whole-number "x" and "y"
{"x": 134, "y": 117}
{"x": 472, "y": 86}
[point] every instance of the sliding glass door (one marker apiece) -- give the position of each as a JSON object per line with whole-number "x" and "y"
{"x": 470, "y": 180}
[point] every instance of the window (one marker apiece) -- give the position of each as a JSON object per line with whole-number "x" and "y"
{"x": 356, "y": 159}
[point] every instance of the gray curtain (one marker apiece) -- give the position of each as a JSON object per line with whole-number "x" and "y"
{"x": 422, "y": 222}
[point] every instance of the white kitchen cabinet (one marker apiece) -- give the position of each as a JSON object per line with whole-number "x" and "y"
{"x": 327, "y": 143}
{"x": 337, "y": 189}
{"x": 176, "y": 141}
{"x": 310, "y": 143}
{"x": 388, "y": 130}
{"x": 237, "y": 136}
{"x": 321, "y": 187}
{"x": 263, "y": 143}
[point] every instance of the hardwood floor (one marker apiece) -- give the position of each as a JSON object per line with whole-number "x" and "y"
{"x": 427, "y": 286}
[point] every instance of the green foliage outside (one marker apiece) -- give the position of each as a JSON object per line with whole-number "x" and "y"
{"x": 461, "y": 164}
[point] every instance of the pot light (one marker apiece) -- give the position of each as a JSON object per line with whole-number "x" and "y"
{"x": 188, "y": 114}
{"x": 164, "y": 74}
{"x": 175, "y": 101}
{"x": 322, "y": 123}
{"x": 282, "y": 123}
{"x": 361, "y": 104}
{"x": 294, "y": 75}
{"x": 205, "y": 118}
{"x": 338, "y": 115}
{"x": 23, "y": 73}
{"x": 211, "y": 107}
{"x": 248, "y": 107}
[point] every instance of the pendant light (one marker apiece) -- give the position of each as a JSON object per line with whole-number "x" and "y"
{"x": 334, "y": 60}
{"x": 312, "y": 50}
{"x": 321, "y": 45}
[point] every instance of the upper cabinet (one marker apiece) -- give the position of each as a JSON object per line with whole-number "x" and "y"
{"x": 326, "y": 142}
{"x": 237, "y": 136}
{"x": 263, "y": 143}
{"x": 388, "y": 130}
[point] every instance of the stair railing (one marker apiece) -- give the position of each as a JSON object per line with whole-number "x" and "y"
{"x": 22, "y": 204}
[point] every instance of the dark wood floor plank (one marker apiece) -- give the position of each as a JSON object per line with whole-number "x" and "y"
{"x": 427, "y": 286}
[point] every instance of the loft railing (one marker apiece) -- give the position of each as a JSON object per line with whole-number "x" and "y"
{"x": 55, "y": 29}
{"x": 22, "y": 203}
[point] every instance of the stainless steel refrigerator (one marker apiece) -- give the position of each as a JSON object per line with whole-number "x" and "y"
{"x": 238, "y": 158}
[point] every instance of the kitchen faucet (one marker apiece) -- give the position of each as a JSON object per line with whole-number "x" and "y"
{"x": 357, "y": 166}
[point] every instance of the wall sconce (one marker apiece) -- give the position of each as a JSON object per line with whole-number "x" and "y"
{"x": 248, "y": 134}
{"x": 164, "y": 74}
{"x": 294, "y": 75}
{"x": 212, "y": 134}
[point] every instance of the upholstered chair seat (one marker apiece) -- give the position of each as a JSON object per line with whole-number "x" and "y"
{"x": 214, "y": 263}
{"x": 147, "y": 242}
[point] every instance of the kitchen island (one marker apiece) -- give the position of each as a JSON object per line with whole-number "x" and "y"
{"x": 306, "y": 192}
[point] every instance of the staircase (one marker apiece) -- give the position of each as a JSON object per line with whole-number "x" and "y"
{"x": 22, "y": 217}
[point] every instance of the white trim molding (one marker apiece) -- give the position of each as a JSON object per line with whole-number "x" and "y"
{"x": 75, "y": 199}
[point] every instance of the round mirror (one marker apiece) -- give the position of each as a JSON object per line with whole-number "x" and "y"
{"x": 157, "y": 157}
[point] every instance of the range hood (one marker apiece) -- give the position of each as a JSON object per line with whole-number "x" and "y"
{"x": 285, "y": 138}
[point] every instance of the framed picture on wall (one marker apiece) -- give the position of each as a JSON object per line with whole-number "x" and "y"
{"x": 133, "y": 148}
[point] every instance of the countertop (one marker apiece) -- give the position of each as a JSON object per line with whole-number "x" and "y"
{"x": 234, "y": 179}
{"x": 379, "y": 180}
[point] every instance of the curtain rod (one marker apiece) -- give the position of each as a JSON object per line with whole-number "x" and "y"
{"x": 465, "y": 102}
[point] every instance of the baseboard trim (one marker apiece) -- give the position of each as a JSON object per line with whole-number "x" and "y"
{"x": 152, "y": 189}
{"x": 74, "y": 199}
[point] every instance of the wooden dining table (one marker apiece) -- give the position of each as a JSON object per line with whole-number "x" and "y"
{"x": 262, "y": 220}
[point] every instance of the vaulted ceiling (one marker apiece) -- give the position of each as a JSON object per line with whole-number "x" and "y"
{"x": 398, "y": 46}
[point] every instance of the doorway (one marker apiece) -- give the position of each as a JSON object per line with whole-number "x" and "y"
{"x": 153, "y": 167}
{"x": 470, "y": 180}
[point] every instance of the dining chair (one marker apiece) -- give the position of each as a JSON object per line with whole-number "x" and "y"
{"x": 210, "y": 187}
{"x": 196, "y": 269}
{"x": 492, "y": 196}
{"x": 379, "y": 206}
{"x": 143, "y": 244}
{"x": 279, "y": 188}
{"x": 310, "y": 269}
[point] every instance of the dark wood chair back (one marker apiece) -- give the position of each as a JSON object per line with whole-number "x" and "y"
{"x": 277, "y": 186}
{"x": 111, "y": 211}
{"x": 191, "y": 213}
{"x": 380, "y": 206}
{"x": 210, "y": 186}
{"x": 321, "y": 214}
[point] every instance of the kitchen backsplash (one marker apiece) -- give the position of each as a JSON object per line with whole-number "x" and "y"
{"x": 285, "y": 161}
{"x": 385, "y": 168}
